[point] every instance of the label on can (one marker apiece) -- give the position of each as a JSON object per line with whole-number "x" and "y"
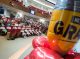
{"x": 64, "y": 26}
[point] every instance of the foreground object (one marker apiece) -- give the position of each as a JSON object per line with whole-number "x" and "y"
{"x": 64, "y": 26}
{"x": 72, "y": 55}
{"x": 41, "y": 42}
{"x": 43, "y": 53}
{"x": 77, "y": 57}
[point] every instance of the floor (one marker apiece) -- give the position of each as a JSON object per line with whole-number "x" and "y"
{"x": 14, "y": 49}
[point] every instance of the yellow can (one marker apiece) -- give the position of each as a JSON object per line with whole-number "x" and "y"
{"x": 64, "y": 27}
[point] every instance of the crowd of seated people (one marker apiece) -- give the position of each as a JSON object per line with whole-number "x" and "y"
{"x": 16, "y": 28}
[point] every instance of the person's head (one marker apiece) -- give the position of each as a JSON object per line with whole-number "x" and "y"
{"x": 0, "y": 17}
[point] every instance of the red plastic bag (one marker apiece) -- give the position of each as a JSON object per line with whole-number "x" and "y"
{"x": 43, "y": 53}
{"x": 40, "y": 41}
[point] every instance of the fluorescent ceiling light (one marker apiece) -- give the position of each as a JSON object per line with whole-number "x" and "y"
{"x": 43, "y": 4}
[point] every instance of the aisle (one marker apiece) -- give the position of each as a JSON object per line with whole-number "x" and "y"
{"x": 10, "y": 48}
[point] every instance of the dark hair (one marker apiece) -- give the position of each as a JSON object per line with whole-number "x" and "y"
{"x": 0, "y": 16}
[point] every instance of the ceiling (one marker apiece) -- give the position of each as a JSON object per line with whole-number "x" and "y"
{"x": 43, "y": 4}
{"x": 40, "y": 4}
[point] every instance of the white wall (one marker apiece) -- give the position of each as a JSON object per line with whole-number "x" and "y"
{"x": 77, "y": 47}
